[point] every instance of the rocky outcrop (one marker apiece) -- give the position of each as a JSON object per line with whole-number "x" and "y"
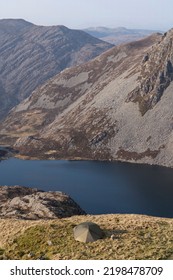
{"x": 31, "y": 54}
{"x": 28, "y": 203}
{"x": 156, "y": 74}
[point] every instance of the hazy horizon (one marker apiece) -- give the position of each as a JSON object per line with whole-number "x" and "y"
{"x": 132, "y": 14}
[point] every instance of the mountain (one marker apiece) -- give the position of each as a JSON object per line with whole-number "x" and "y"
{"x": 31, "y": 54}
{"x": 118, "y": 35}
{"x": 115, "y": 107}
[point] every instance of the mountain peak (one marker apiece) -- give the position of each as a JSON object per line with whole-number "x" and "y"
{"x": 11, "y": 22}
{"x": 14, "y": 26}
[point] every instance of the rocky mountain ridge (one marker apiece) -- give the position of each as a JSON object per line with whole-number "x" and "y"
{"x": 31, "y": 54}
{"x": 115, "y": 107}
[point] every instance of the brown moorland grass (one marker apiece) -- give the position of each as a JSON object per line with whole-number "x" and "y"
{"x": 126, "y": 237}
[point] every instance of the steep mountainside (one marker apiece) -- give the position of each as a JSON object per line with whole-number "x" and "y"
{"x": 117, "y": 107}
{"x": 118, "y": 35}
{"x": 30, "y": 55}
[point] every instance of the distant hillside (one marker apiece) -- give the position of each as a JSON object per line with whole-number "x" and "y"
{"x": 31, "y": 54}
{"x": 118, "y": 35}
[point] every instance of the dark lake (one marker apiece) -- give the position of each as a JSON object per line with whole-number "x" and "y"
{"x": 98, "y": 187}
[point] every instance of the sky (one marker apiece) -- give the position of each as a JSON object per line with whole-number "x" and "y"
{"x": 145, "y": 14}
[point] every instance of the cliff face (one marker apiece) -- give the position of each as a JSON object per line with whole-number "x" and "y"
{"x": 156, "y": 74}
{"x": 118, "y": 107}
{"x": 30, "y": 55}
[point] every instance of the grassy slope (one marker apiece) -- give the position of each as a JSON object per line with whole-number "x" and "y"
{"x": 135, "y": 237}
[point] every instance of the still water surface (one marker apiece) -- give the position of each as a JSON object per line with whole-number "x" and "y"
{"x": 98, "y": 187}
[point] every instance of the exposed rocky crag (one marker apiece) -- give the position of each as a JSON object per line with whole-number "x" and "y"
{"x": 27, "y": 203}
{"x": 96, "y": 111}
{"x": 31, "y": 54}
{"x": 156, "y": 74}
